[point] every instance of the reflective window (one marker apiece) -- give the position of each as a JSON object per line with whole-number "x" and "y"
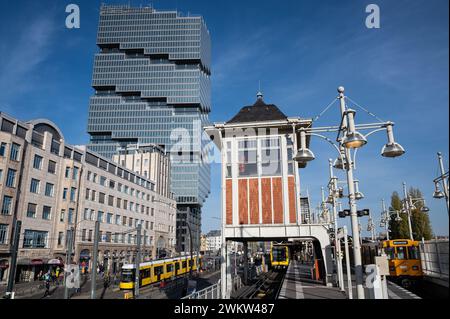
{"x": 401, "y": 252}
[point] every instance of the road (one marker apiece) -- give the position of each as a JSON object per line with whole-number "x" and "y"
{"x": 173, "y": 290}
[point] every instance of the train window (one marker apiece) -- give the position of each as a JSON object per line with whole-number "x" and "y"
{"x": 128, "y": 275}
{"x": 413, "y": 252}
{"x": 169, "y": 267}
{"x": 279, "y": 254}
{"x": 146, "y": 273}
{"x": 177, "y": 266}
{"x": 390, "y": 252}
{"x": 184, "y": 264}
{"x": 401, "y": 252}
{"x": 158, "y": 270}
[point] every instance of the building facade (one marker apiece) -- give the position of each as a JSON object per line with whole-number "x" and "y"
{"x": 52, "y": 187}
{"x": 261, "y": 184}
{"x": 213, "y": 241}
{"x": 150, "y": 161}
{"x": 152, "y": 85}
{"x": 203, "y": 246}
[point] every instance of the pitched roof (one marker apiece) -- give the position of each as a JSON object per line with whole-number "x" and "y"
{"x": 258, "y": 112}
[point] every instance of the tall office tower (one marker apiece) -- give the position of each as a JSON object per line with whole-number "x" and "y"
{"x": 152, "y": 85}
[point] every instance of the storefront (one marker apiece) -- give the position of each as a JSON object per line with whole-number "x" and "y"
{"x": 85, "y": 257}
{"x": 56, "y": 265}
{"x": 4, "y": 267}
{"x": 31, "y": 269}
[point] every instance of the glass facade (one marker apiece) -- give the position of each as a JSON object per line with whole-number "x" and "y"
{"x": 152, "y": 83}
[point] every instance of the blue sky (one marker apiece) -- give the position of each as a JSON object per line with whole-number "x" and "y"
{"x": 299, "y": 50}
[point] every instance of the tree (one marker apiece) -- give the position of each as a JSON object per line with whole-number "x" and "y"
{"x": 420, "y": 221}
{"x": 399, "y": 229}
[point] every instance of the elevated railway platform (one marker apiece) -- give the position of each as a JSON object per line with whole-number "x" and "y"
{"x": 298, "y": 284}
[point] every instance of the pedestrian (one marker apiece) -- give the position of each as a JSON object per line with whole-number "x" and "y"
{"x": 47, "y": 287}
{"x": 57, "y": 273}
{"x": 106, "y": 280}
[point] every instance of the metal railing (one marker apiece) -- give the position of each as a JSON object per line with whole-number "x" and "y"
{"x": 434, "y": 256}
{"x": 211, "y": 292}
{"x": 214, "y": 291}
{"x": 236, "y": 283}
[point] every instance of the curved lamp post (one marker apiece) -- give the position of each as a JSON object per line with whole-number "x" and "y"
{"x": 408, "y": 204}
{"x": 442, "y": 180}
{"x": 349, "y": 138}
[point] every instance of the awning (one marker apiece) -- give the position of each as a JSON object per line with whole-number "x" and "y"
{"x": 24, "y": 261}
{"x": 36, "y": 262}
{"x": 4, "y": 264}
{"x": 85, "y": 254}
{"x": 55, "y": 262}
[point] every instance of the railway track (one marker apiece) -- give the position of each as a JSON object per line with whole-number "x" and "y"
{"x": 267, "y": 286}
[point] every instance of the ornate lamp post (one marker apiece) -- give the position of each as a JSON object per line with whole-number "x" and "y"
{"x": 441, "y": 180}
{"x": 349, "y": 138}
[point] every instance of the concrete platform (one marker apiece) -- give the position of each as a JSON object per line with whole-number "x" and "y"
{"x": 298, "y": 285}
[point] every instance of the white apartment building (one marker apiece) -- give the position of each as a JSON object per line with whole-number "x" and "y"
{"x": 213, "y": 240}
{"x": 150, "y": 161}
{"x": 52, "y": 187}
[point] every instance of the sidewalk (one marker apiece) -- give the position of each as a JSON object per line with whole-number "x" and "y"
{"x": 27, "y": 288}
{"x": 36, "y": 289}
{"x": 298, "y": 285}
{"x": 394, "y": 290}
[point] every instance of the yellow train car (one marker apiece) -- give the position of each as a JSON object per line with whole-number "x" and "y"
{"x": 279, "y": 256}
{"x": 404, "y": 260}
{"x": 156, "y": 271}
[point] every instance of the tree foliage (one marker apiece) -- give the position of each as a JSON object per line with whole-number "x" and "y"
{"x": 420, "y": 221}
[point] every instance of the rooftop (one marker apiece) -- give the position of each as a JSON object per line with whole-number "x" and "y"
{"x": 258, "y": 112}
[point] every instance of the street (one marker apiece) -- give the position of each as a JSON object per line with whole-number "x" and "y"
{"x": 173, "y": 290}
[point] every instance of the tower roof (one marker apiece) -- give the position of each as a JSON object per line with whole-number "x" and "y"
{"x": 258, "y": 112}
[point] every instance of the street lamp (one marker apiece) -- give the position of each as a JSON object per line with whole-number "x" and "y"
{"x": 443, "y": 179}
{"x": 332, "y": 199}
{"x": 408, "y": 205}
{"x": 371, "y": 227}
{"x": 353, "y": 139}
{"x": 304, "y": 154}
{"x": 391, "y": 149}
{"x": 438, "y": 194}
{"x": 358, "y": 194}
{"x": 349, "y": 138}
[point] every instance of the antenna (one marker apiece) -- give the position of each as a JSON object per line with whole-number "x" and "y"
{"x": 259, "y": 95}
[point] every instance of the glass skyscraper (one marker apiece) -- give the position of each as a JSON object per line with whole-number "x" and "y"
{"x": 152, "y": 85}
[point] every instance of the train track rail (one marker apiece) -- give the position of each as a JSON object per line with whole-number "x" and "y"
{"x": 267, "y": 286}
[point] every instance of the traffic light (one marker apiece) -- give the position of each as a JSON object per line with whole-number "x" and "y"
{"x": 364, "y": 212}
{"x": 344, "y": 213}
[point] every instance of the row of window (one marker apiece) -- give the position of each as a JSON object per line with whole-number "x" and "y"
{"x": 35, "y": 188}
{"x": 132, "y": 21}
{"x": 32, "y": 210}
{"x": 38, "y": 163}
{"x": 103, "y": 181}
{"x": 109, "y": 237}
{"x": 156, "y": 31}
{"x": 110, "y": 218}
{"x": 3, "y": 234}
{"x": 14, "y": 151}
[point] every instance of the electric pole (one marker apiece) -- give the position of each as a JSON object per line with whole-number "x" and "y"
{"x": 14, "y": 250}
{"x": 68, "y": 260}
{"x": 137, "y": 281}
{"x": 94, "y": 259}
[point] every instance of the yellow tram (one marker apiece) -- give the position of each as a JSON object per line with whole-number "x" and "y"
{"x": 158, "y": 270}
{"x": 404, "y": 260}
{"x": 279, "y": 256}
